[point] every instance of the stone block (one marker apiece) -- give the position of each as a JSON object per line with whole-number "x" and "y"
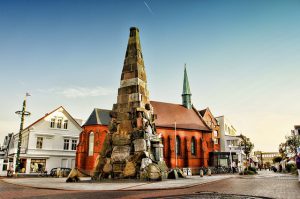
{"x": 139, "y": 145}
{"x": 120, "y": 153}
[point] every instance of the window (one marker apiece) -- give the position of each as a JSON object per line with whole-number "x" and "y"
{"x": 65, "y": 124}
{"x": 216, "y": 133}
{"x": 59, "y": 121}
{"x": 177, "y": 145}
{"x": 66, "y": 144}
{"x": 39, "y": 142}
{"x": 74, "y": 144}
{"x": 37, "y": 165}
{"x": 52, "y": 123}
{"x": 193, "y": 146}
{"x": 91, "y": 144}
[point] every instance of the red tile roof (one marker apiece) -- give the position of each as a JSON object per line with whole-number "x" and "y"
{"x": 168, "y": 113}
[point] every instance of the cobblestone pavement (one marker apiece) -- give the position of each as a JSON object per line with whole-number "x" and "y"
{"x": 266, "y": 184}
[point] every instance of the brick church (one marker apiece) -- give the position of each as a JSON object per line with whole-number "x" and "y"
{"x": 188, "y": 135}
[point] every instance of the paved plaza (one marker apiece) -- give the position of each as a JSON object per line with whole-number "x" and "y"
{"x": 264, "y": 185}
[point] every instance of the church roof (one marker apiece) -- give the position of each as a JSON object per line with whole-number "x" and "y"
{"x": 186, "y": 86}
{"x": 98, "y": 116}
{"x": 167, "y": 114}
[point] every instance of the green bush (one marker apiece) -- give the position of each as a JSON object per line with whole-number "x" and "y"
{"x": 247, "y": 172}
{"x": 290, "y": 167}
{"x": 253, "y": 169}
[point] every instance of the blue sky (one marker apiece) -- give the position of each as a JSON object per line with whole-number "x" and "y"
{"x": 242, "y": 58}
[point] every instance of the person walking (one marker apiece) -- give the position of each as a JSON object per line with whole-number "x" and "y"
{"x": 298, "y": 165}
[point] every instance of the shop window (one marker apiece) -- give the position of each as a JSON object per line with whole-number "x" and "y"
{"x": 37, "y": 165}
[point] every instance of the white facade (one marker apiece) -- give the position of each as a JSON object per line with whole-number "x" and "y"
{"x": 229, "y": 139}
{"x": 48, "y": 143}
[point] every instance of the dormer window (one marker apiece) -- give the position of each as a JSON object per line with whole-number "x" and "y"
{"x": 59, "y": 122}
{"x": 52, "y": 123}
{"x": 65, "y": 124}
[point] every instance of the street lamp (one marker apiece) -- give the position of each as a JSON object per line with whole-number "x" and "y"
{"x": 230, "y": 146}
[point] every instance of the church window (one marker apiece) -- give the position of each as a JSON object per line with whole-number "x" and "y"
{"x": 91, "y": 144}
{"x": 178, "y": 143}
{"x": 193, "y": 146}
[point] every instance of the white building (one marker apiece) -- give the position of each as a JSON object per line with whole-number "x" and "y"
{"x": 229, "y": 139}
{"x": 48, "y": 143}
{"x": 4, "y": 160}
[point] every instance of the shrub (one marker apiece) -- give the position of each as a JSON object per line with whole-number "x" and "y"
{"x": 247, "y": 172}
{"x": 290, "y": 167}
{"x": 253, "y": 169}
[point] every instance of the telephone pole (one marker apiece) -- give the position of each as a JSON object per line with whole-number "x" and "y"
{"x": 22, "y": 113}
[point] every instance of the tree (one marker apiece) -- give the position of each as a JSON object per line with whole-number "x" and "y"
{"x": 277, "y": 159}
{"x": 292, "y": 143}
{"x": 283, "y": 150}
{"x": 246, "y": 145}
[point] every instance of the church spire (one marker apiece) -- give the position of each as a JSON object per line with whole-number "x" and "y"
{"x": 186, "y": 93}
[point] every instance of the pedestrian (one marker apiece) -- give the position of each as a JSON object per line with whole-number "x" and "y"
{"x": 233, "y": 165}
{"x": 240, "y": 167}
{"x": 298, "y": 165}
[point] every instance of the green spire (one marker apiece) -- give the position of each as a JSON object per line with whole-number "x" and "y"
{"x": 186, "y": 93}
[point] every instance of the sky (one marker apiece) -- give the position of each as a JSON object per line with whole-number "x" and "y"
{"x": 242, "y": 58}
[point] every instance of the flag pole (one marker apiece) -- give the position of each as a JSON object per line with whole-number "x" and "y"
{"x": 176, "y": 149}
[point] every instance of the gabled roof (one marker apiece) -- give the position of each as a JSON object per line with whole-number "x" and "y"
{"x": 47, "y": 114}
{"x": 168, "y": 113}
{"x": 98, "y": 116}
{"x": 207, "y": 111}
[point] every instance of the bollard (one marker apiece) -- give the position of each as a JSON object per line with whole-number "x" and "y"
{"x": 208, "y": 172}
{"x": 201, "y": 173}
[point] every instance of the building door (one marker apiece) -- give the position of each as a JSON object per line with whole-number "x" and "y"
{"x": 64, "y": 163}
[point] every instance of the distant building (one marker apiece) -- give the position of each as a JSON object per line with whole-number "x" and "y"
{"x": 230, "y": 141}
{"x": 49, "y": 142}
{"x": 264, "y": 157}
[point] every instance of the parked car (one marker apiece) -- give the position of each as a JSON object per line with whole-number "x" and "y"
{"x": 64, "y": 172}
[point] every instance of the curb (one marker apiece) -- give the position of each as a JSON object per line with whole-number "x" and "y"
{"x": 122, "y": 189}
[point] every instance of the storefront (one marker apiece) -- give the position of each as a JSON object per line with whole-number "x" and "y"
{"x": 217, "y": 159}
{"x": 37, "y": 165}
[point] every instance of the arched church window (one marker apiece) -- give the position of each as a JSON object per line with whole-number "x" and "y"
{"x": 178, "y": 143}
{"x": 193, "y": 146}
{"x": 91, "y": 144}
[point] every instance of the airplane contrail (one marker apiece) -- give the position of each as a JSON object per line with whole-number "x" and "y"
{"x": 148, "y": 7}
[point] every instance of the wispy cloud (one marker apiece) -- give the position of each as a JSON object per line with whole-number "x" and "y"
{"x": 148, "y": 7}
{"x": 78, "y": 91}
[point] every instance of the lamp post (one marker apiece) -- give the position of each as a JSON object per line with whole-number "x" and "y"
{"x": 230, "y": 146}
{"x": 22, "y": 113}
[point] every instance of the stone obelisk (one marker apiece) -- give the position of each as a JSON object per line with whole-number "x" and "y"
{"x": 132, "y": 148}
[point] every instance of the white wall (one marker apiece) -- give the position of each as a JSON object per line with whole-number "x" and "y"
{"x": 53, "y": 141}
